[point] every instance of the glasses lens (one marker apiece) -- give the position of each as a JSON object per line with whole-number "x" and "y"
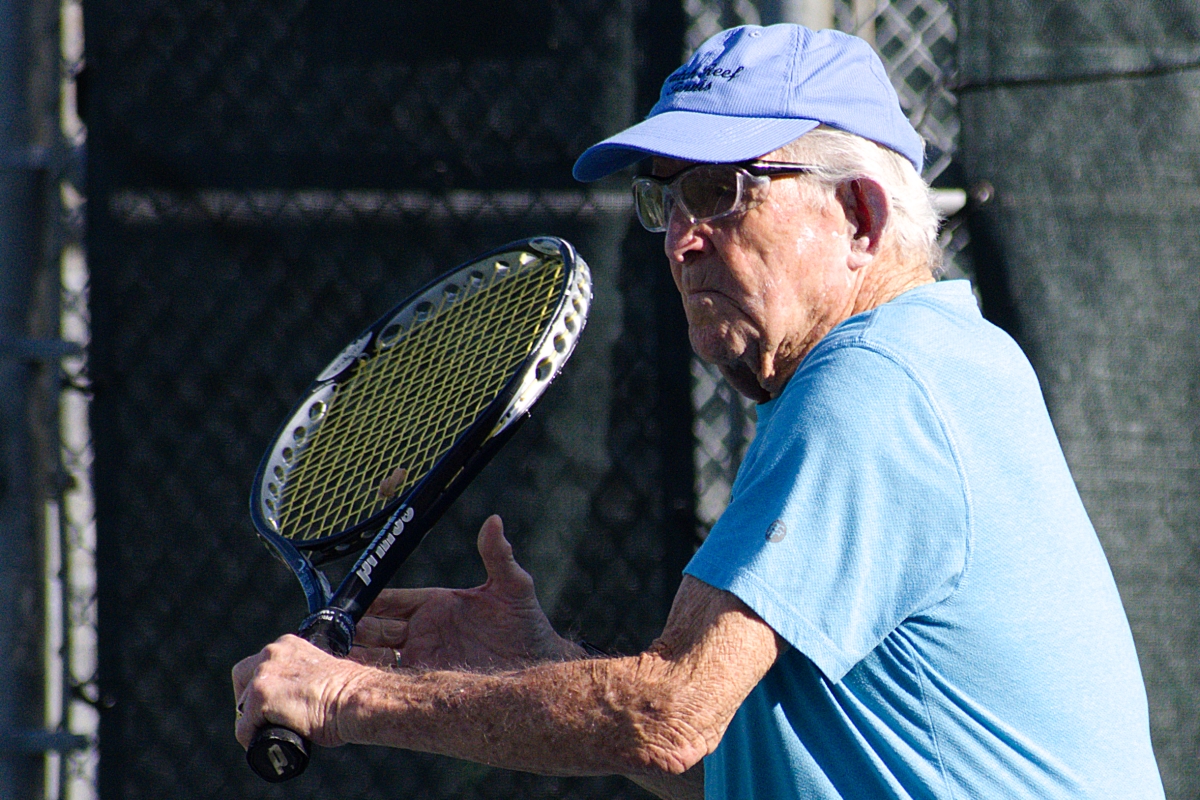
{"x": 704, "y": 193}
{"x": 649, "y": 201}
{"x": 709, "y": 192}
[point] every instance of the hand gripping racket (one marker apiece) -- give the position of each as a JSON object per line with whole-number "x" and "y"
{"x": 398, "y": 424}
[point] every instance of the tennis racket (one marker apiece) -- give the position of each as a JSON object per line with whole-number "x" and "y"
{"x": 397, "y": 425}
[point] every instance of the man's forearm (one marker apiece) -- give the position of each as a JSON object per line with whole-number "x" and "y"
{"x": 592, "y": 717}
{"x": 653, "y": 716}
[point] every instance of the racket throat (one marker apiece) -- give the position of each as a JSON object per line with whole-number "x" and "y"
{"x": 330, "y": 629}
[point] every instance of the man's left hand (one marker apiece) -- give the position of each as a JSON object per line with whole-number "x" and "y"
{"x": 295, "y": 685}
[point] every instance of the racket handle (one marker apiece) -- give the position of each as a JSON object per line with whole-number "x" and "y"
{"x": 278, "y": 754}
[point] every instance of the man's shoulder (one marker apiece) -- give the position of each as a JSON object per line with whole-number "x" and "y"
{"x": 891, "y": 342}
{"x": 915, "y": 315}
{"x": 931, "y": 330}
{"x": 927, "y": 355}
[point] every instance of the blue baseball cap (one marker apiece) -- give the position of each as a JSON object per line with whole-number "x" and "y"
{"x": 750, "y": 90}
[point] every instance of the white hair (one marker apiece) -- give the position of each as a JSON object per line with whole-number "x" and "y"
{"x": 839, "y": 156}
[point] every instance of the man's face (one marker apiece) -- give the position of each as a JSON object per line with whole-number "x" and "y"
{"x": 761, "y": 288}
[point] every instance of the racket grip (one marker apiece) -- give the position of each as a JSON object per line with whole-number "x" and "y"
{"x": 278, "y": 754}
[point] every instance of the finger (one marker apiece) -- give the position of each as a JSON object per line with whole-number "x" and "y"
{"x": 242, "y": 672}
{"x": 381, "y": 657}
{"x": 245, "y": 727}
{"x": 497, "y": 555}
{"x": 381, "y": 632}
{"x": 400, "y": 603}
{"x": 247, "y": 718}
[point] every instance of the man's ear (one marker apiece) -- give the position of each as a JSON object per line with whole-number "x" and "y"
{"x": 867, "y": 210}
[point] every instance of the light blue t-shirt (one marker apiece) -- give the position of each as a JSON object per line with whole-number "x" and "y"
{"x": 905, "y": 519}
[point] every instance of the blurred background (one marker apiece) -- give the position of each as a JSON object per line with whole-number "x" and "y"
{"x": 201, "y": 200}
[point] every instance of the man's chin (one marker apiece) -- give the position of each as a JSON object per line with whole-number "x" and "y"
{"x": 744, "y": 381}
{"x": 716, "y": 340}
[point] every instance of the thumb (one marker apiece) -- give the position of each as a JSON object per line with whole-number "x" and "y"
{"x": 497, "y": 554}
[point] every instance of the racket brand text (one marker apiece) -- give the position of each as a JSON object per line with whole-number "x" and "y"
{"x": 364, "y": 569}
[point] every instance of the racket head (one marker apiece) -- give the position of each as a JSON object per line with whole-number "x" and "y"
{"x": 426, "y": 378}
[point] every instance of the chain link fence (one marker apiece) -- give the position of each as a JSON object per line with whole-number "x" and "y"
{"x": 264, "y": 181}
{"x": 63, "y": 744}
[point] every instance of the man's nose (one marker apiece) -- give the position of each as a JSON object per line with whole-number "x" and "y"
{"x": 682, "y": 235}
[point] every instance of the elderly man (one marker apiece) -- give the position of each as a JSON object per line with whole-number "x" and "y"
{"x": 905, "y": 597}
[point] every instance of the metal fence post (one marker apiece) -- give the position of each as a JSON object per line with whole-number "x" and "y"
{"x": 20, "y": 685}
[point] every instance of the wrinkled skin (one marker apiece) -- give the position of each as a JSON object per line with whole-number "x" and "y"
{"x": 497, "y": 625}
{"x": 650, "y": 717}
{"x": 760, "y": 289}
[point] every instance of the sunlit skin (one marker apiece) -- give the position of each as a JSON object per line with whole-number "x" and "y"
{"x": 761, "y": 288}
{"x": 486, "y": 678}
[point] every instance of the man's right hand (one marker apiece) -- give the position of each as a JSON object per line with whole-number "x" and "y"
{"x": 496, "y": 626}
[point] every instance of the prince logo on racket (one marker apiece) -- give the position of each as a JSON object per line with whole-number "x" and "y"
{"x": 938, "y": 619}
{"x": 380, "y": 550}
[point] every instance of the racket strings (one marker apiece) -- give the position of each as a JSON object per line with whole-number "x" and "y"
{"x": 435, "y": 362}
{"x": 404, "y": 407}
{"x": 371, "y": 414}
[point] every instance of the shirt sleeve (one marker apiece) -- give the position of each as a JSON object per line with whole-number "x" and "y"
{"x": 850, "y": 513}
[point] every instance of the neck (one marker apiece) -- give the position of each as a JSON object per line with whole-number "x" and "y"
{"x": 882, "y": 283}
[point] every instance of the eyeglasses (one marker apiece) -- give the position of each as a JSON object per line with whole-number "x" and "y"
{"x": 707, "y": 191}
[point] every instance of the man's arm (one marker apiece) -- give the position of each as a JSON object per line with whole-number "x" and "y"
{"x": 656, "y": 714}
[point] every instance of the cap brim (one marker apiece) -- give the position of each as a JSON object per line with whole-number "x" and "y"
{"x": 689, "y": 136}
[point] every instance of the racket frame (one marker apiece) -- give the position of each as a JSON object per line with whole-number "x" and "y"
{"x": 278, "y": 754}
{"x": 303, "y": 556}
